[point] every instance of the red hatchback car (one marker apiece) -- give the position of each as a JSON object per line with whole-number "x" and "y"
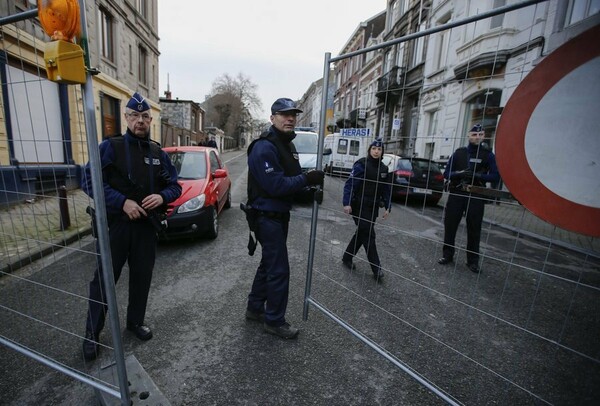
{"x": 206, "y": 191}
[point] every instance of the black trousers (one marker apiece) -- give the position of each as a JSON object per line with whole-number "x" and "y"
{"x": 270, "y": 288}
{"x": 364, "y": 236}
{"x": 134, "y": 242}
{"x": 472, "y": 207}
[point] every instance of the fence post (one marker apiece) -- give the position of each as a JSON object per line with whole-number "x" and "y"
{"x": 63, "y": 204}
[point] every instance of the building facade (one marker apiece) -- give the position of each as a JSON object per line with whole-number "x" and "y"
{"x": 471, "y": 71}
{"x": 39, "y": 151}
{"x": 182, "y": 122}
{"x": 311, "y": 103}
{"x": 422, "y": 95}
{"x": 349, "y": 89}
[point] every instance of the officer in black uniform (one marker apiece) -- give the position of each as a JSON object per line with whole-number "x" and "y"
{"x": 139, "y": 180}
{"x": 471, "y": 165}
{"x": 367, "y": 188}
{"x": 274, "y": 176}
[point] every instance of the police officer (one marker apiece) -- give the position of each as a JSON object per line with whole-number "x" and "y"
{"x": 139, "y": 180}
{"x": 212, "y": 143}
{"x": 471, "y": 165}
{"x": 367, "y": 188}
{"x": 274, "y": 176}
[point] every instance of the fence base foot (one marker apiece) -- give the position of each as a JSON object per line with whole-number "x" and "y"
{"x": 141, "y": 387}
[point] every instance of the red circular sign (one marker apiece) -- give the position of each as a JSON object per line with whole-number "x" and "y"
{"x": 546, "y": 104}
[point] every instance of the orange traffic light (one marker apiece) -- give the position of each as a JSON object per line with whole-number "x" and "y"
{"x": 60, "y": 18}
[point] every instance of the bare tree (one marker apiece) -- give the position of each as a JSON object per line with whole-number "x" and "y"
{"x": 232, "y": 103}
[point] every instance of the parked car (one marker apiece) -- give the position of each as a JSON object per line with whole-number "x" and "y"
{"x": 417, "y": 178}
{"x": 206, "y": 191}
{"x": 391, "y": 161}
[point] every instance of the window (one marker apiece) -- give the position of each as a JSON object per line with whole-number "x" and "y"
{"x": 497, "y": 21}
{"x": 389, "y": 58}
{"x": 106, "y": 26}
{"x": 400, "y": 54}
{"x": 214, "y": 162}
{"x": 417, "y": 54}
{"x": 111, "y": 123}
{"x": 342, "y": 147}
{"x": 581, "y": 9}
{"x": 153, "y": 77}
{"x": 393, "y": 14}
{"x": 142, "y": 69}
{"x": 441, "y": 45}
{"x": 142, "y": 7}
{"x": 432, "y": 123}
{"x": 354, "y": 147}
{"x": 429, "y": 148}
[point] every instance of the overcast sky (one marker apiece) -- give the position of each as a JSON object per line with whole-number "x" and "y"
{"x": 279, "y": 45}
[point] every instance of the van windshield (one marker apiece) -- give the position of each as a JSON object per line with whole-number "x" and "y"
{"x": 306, "y": 143}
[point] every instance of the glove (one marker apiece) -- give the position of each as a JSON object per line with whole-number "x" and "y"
{"x": 467, "y": 174}
{"x": 315, "y": 177}
{"x": 457, "y": 175}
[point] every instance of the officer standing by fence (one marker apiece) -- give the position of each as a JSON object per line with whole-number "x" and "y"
{"x": 274, "y": 176}
{"x": 473, "y": 165}
{"x": 139, "y": 180}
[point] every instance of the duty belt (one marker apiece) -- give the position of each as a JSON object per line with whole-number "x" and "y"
{"x": 275, "y": 215}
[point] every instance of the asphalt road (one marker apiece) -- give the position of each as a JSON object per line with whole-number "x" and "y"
{"x": 205, "y": 352}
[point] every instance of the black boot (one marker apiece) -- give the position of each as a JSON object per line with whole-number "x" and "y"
{"x": 91, "y": 349}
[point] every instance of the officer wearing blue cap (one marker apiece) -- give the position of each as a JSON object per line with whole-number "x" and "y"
{"x": 365, "y": 191}
{"x": 274, "y": 176}
{"x": 471, "y": 165}
{"x": 139, "y": 180}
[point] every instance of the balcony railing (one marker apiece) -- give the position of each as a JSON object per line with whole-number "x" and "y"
{"x": 389, "y": 85}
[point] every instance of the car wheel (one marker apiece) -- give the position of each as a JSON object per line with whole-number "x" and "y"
{"x": 214, "y": 226}
{"x": 228, "y": 201}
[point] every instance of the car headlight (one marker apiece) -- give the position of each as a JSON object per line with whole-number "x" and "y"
{"x": 195, "y": 203}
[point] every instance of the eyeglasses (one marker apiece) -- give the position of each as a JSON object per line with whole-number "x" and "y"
{"x": 136, "y": 116}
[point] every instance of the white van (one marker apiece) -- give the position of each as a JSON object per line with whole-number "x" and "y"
{"x": 347, "y": 147}
{"x": 307, "y": 143}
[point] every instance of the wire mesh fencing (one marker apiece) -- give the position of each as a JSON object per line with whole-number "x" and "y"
{"x": 522, "y": 330}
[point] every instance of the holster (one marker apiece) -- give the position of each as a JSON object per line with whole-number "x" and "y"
{"x": 252, "y": 219}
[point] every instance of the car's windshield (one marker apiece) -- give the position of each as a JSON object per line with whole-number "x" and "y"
{"x": 306, "y": 143}
{"x": 189, "y": 165}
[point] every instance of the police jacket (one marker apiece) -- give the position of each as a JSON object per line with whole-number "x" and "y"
{"x": 476, "y": 158}
{"x": 133, "y": 168}
{"x": 368, "y": 184}
{"x": 274, "y": 173}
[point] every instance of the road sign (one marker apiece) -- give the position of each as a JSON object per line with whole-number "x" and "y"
{"x": 548, "y": 139}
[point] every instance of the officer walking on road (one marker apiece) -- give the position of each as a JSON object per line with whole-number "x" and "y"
{"x": 366, "y": 190}
{"x": 274, "y": 176}
{"x": 139, "y": 180}
{"x": 473, "y": 165}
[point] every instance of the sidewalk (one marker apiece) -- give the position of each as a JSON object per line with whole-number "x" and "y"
{"x": 31, "y": 230}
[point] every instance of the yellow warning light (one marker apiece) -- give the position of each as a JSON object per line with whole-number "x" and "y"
{"x": 59, "y": 18}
